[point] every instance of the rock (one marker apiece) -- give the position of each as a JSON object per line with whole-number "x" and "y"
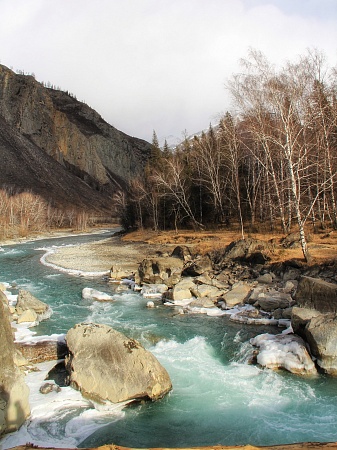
{"x": 292, "y": 240}
{"x": 273, "y": 301}
{"x": 198, "y": 266}
{"x": 286, "y": 351}
{"x": 49, "y": 387}
{"x": 247, "y": 250}
{"x": 106, "y": 365}
{"x": 27, "y": 316}
{"x": 205, "y": 290}
{"x": 150, "y": 304}
{"x": 182, "y": 290}
{"x": 182, "y": 252}
{"x": 42, "y": 351}
{"x": 265, "y": 278}
{"x": 287, "y": 313}
{"x": 291, "y": 273}
{"x": 204, "y": 279}
{"x": 160, "y": 270}
{"x": 254, "y": 295}
{"x": 321, "y": 335}
{"x": 153, "y": 290}
{"x": 203, "y": 302}
{"x": 320, "y": 332}
{"x": 119, "y": 273}
{"x": 93, "y": 294}
{"x": 26, "y": 301}
{"x": 300, "y": 317}
{"x": 277, "y": 313}
{"x": 290, "y": 286}
{"x": 14, "y": 395}
{"x": 237, "y": 295}
{"x": 317, "y": 294}
{"x": 19, "y": 359}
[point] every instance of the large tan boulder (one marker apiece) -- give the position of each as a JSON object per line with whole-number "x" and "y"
{"x": 26, "y": 301}
{"x": 182, "y": 290}
{"x": 237, "y": 295}
{"x": 317, "y": 294}
{"x": 14, "y": 393}
{"x": 321, "y": 334}
{"x": 106, "y": 365}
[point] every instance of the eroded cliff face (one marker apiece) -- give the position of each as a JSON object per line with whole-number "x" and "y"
{"x": 71, "y": 132}
{"x": 14, "y": 393}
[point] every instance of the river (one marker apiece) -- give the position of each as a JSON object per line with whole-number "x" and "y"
{"x": 217, "y": 397}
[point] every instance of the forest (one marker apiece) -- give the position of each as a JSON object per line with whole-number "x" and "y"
{"x": 270, "y": 163}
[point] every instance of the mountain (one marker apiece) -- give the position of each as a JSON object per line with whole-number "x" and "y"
{"x": 60, "y": 148}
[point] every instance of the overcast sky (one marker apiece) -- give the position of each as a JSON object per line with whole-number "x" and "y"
{"x": 158, "y": 65}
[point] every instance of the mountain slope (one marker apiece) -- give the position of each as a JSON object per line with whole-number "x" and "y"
{"x": 61, "y": 148}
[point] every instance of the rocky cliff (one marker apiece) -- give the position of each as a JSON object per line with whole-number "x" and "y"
{"x": 41, "y": 126}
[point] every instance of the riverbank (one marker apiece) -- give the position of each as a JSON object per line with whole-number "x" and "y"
{"x": 54, "y": 234}
{"x": 129, "y": 250}
{"x": 100, "y": 256}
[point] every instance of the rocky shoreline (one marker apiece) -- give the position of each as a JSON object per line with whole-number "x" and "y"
{"x": 238, "y": 281}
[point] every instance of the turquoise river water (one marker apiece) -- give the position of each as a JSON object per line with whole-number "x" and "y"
{"x": 217, "y": 397}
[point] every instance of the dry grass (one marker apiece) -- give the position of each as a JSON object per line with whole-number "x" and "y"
{"x": 322, "y": 245}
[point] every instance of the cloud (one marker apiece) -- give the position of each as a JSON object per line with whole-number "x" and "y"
{"x": 157, "y": 64}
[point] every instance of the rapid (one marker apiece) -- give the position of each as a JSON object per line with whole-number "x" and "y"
{"x": 217, "y": 396}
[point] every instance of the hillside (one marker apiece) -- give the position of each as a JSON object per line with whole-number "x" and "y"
{"x": 60, "y": 148}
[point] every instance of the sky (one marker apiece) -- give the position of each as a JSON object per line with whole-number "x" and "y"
{"x": 160, "y": 65}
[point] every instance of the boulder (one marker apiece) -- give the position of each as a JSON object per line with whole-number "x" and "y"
{"x": 160, "y": 270}
{"x": 27, "y": 301}
{"x": 93, "y": 294}
{"x": 300, "y": 317}
{"x": 205, "y": 290}
{"x": 284, "y": 351}
{"x": 198, "y": 266}
{"x": 119, "y": 273}
{"x": 315, "y": 293}
{"x": 291, "y": 274}
{"x": 106, "y": 365}
{"x": 254, "y": 295}
{"x": 46, "y": 388}
{"x": 182, "y": 290}
{"x": 237, "y": 295}
{"x": 321, "y": 335}
{"x": 274, "y": 300}
{"x": 203, "y": 302}
{"x": 182, "y": 252}
{"x": 265, "y": 278}
{"x": 248, "y": 250}
{"x": 290, "y": 286}
{"x": 14, "y": 395}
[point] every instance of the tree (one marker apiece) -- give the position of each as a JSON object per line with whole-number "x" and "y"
{"x": 275, "y": 106}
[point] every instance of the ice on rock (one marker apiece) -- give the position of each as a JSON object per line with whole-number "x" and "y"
{"x": 93, "y": 294}
{"x": 286, "y": 351}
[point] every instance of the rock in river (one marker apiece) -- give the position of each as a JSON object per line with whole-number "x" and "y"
{"x": 106, "y": 365}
